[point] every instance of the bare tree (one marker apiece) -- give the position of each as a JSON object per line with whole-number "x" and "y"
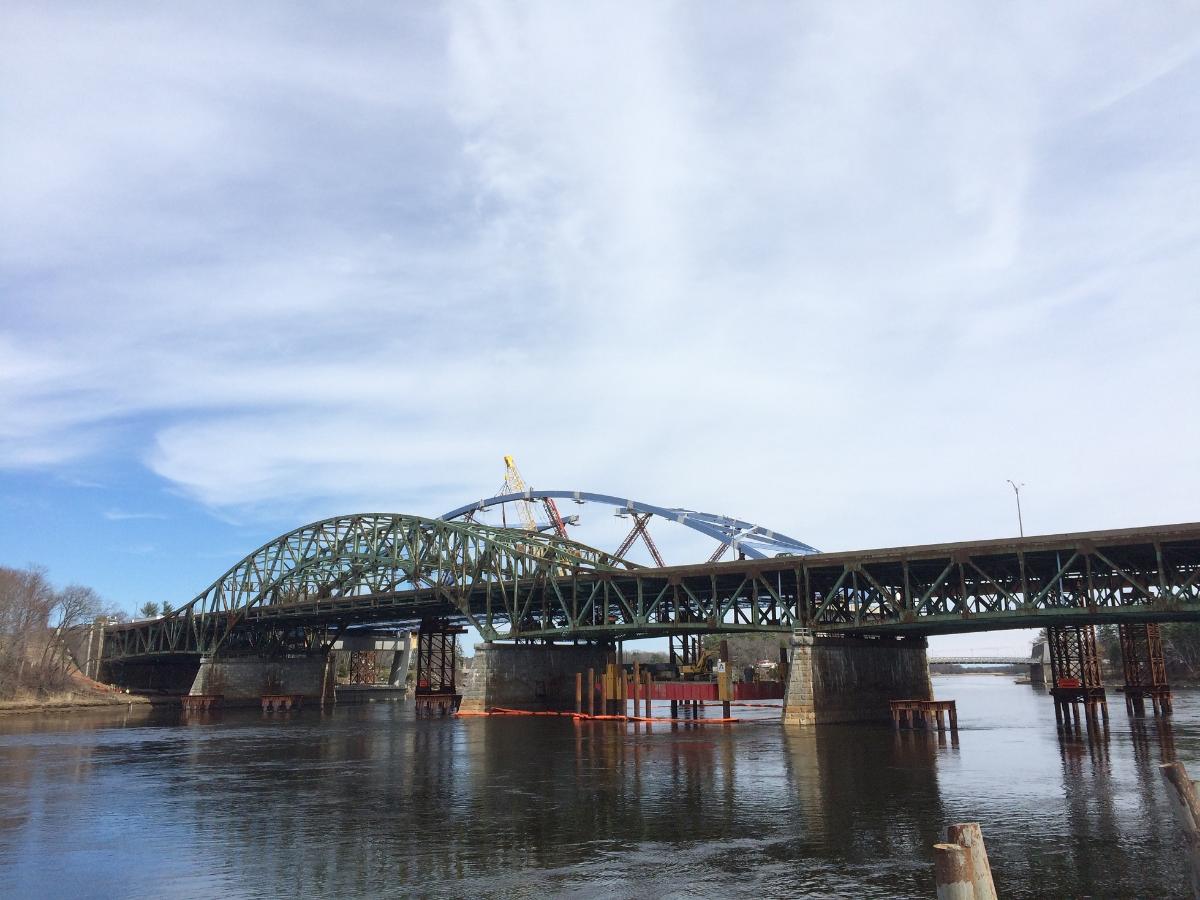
{"x": 1181, "y": 647}
{"x": 34, "y": 623}
{"x": 26, "y": 598}
{"x": 74, "y": 605}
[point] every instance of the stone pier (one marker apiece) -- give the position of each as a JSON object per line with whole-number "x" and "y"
{"x": 535, "y": 677}
{"x": 853, "y": 679}
{"x": 245, "y": 679}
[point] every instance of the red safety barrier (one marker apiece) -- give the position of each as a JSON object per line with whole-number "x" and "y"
{"x": 683, "y": 690}
{"x": 502, "y": 711}
{"x": 758, "y": 690}
{"x": 707, "y": 690}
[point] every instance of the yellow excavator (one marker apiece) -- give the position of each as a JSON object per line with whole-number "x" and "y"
{"x": 701, "y": 667}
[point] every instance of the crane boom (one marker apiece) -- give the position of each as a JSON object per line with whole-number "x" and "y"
{"x": 515, "y": 484}
{"x": 560, "y": 526}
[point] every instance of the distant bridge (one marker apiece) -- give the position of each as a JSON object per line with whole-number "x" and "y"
{"x": 980, "y": 660}
{"x": 302, "y": 589}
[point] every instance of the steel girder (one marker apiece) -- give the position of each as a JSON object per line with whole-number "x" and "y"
{"x": 432, "y": 564}
{"x": 755, "y": 541}
{"x": 1143, "y": 574}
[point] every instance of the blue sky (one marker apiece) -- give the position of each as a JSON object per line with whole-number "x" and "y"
{"x": 839, "y": 271}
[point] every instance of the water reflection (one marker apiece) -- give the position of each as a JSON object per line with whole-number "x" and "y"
{"x": 369, "y": 801}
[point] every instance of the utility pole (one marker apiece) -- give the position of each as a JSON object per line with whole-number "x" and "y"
{"x": 1017, "y": 491}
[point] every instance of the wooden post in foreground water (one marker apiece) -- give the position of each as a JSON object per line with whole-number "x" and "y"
{"x": 960, "y": 865}
{"x": 970, "y": 838}
{"x": 952, "y": 872}
{"x": 578, "y": 693}
{"x": 591, "y": 692}
{"x": 1182, "y": 791}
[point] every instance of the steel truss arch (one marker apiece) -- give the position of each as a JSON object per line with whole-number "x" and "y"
{"x": 755, "y": 541}
{"x": 340, "y": 559}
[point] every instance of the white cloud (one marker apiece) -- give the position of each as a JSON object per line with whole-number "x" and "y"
{"x": 838, "y": 272}
{"x": 121, "y": 515}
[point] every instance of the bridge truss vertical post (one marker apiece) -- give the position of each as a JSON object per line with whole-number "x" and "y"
{"x": 1075, "y": 675}
{"x": 1145, "y": 669}
{"x": 436, "y": 661}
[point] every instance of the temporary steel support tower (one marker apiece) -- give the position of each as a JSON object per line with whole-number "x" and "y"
{"x": 1145, "y": 669}
{"x": 1075, "y": 668}
{"x": 436, "y": 661}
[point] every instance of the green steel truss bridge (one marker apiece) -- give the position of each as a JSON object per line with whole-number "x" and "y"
{"x": 308, "y": 586}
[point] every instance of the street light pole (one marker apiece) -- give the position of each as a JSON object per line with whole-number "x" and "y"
{"x": 1017, "y": 491}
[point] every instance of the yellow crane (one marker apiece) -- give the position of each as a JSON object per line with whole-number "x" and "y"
{"x": 515, "y": 484}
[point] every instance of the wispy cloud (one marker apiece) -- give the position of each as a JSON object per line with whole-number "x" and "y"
{"x": 120, "y": 515}
{"x": 839, "y": 271}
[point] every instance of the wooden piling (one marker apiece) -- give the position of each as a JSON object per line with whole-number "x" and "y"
{"x": 952, "y": 872}
{"x": 578, "y": 693}
{"x": 969, "y": 836}
{"x": 591, "y": 692}
{"x": 1187, "y": 813}
{"x": 648, "y": 678}
{"x": 637, "y": 688}
{"x": 612, "y": 690}
{"x": 725, "y": 679}
{"x": 607, "y": 708}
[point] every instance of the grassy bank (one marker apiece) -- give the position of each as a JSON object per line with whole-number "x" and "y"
{"x": 79, "y": 692}
{"x": 66, "y": 700}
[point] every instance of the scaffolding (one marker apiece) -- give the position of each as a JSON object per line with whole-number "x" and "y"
{"x": 364, "y": 667}
{"x": 1075, "y": 673}
{"x": 436, "y": 692}
{"x": 1145, "y": 670}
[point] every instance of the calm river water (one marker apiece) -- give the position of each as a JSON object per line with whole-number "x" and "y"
{"x": 367, "y": 801}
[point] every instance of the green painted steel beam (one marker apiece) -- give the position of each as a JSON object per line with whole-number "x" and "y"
{"x": 509, "y": 584}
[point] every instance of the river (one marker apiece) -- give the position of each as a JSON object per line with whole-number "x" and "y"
{"x": 367, "y": 801}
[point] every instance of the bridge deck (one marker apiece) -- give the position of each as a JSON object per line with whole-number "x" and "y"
{"x": 1135, "y": 574}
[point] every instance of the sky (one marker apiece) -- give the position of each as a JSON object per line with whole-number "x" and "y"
{"x": 838, "y": 269}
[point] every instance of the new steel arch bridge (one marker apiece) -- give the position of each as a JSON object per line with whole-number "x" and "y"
{"x": 745, "y": 538}
{"x": 299, "y": 590}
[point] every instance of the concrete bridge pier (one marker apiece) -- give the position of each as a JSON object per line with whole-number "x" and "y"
{"x": 402, "y": 660}
{"x": 1039, "y": 663}
{"x": 533, "y": 677}
{"x": 853, "y": 679}
{"x": 245, "y": 680}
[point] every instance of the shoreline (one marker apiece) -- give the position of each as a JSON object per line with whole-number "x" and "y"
{"x": 70, "y": 701}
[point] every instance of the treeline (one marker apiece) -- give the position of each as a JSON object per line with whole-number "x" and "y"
{"x": 1181, "y": 648}
{"x": 747, "y": 649}
{"x": 744, "y": 649}
{"x": 33, "y": 617}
